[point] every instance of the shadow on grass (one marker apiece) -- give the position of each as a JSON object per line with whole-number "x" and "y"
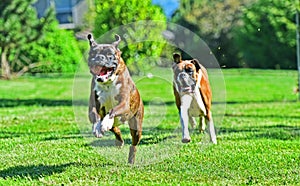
{"x": 75, "y": 136}
{"x": 40, "y": 102}
{"x": 65, "y": 102}
{"x": 144, "y": 141}
{"x": 45, "y": 136}
{"x": 33, "y": 171}
{"x": 281, "y": 132}
{"x": 262, "y": 116}
{"x": 57, "y": 102}
{"x": 38, "y": 171}
{"x": 150, "y": 136}
{"x": 147, "y": 102}
{"x": 255, "y": 102}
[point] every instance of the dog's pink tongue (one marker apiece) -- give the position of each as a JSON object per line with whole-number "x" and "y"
{"x": 103, "y": 71}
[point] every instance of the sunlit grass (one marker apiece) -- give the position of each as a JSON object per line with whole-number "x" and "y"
{"x": 41, "y": 143}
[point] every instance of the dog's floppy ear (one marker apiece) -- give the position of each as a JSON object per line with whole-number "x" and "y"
{"x": 197, "y": 64}
{"x": 91, "y": 40}
{"x": 118, "y": 40}
{"x": 177, "y": 58}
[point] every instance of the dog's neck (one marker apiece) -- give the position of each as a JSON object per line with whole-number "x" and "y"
{"x": 107, "y": 93}
{"x": 100, "y": 87}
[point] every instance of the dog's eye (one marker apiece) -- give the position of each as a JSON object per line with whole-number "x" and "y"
{"x": 102, "y": 57}
{"x": 189, "y": 71}
{"x": 110, "y": 57}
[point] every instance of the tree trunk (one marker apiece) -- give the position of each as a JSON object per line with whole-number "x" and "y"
{"x": 5, "y": 68}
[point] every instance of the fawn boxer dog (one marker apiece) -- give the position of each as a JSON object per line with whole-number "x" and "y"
{"x": 193, "y": 96}
{"x": 114, "y": 97}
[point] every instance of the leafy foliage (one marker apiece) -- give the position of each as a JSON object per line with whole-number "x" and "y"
{"x": 267, "y": 36}
{"x": 247, "y": 33}
{"x": 19, "y": 26}
{"x": 213, "y": 21}
{"x": 29, "y": 44}
{"x": 142, "y": 43}
{"x": 57, "y": 51}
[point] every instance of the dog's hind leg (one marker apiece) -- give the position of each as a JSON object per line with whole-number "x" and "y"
{"x": 211, "y": 129}
{"x": 202, "y": 124}
{"x": 136, "y": 135}
{"x": 192, "y": 122}
{"x": 119, "y": 140}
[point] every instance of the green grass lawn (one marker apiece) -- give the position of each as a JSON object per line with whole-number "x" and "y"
{"x": 45, "y": 137}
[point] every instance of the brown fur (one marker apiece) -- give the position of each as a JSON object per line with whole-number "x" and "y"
{"x": 188, "y": 76}
{"x": 129, "y": 105}
{"x": 204, "y": 88}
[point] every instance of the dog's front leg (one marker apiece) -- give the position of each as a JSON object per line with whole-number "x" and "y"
{"x": 119, "y": 110}
{"x": 95, "y": 119}
{"x": 97, "y": 130}
{"x": 186, "y": 101}
{"x": 94, "y": 113}
{"x": 123, "y": 108}
{"x": 211, "y": 129}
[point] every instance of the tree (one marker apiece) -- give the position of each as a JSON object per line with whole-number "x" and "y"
{"x": 142, "y": 41}
{"x": 213, "y": 21}
{"x": 267, "y": 36}
{"x": 19, "y": 26}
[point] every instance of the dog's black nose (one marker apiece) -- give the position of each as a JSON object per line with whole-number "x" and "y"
{"x": 99, "y": 80}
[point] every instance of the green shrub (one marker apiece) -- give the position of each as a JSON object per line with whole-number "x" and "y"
{"x": 20, "y": 27}
{"x": 57, "y": 51}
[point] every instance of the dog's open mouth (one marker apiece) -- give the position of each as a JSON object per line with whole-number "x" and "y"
{"x": 106, "y": 71}
{"x": 102, "y": 73}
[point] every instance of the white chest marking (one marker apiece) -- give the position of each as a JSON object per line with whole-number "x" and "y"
{"x": 107, "y": 94}
{"x": 193, "y": 103}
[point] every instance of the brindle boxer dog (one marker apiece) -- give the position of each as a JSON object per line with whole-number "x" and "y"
{"x": 193, "y": 96}
{"x": 114, "y": 97}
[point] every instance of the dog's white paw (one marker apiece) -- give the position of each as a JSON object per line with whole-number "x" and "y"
{"x": 96, "y": 130}
{"x": 186, "y": 140}
{"x": 107, "y": 123}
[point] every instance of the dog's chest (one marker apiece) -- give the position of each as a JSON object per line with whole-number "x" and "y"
{"x": 194, "y": 104}
{"x": 196, "y": 110}
{"x": 107, "y": 94}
